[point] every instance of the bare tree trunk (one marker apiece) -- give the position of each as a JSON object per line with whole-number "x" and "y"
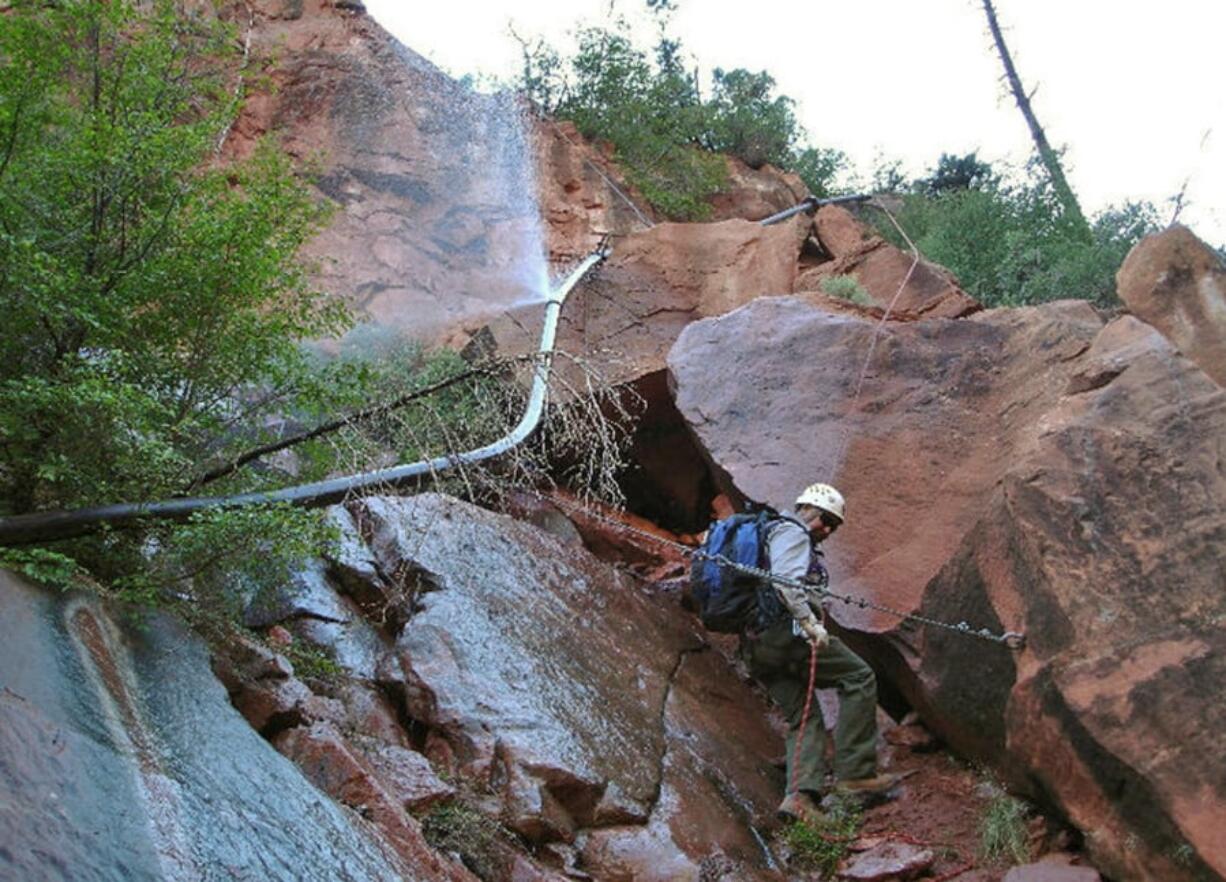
{"x": 1048, "y": 156}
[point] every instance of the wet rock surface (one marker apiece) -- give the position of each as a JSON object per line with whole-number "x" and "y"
{"x": 586, "y": 708}
{"x": 1020, "y": 470}
{"x": 121, "y": 758}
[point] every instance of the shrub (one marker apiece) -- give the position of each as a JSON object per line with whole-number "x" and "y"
{"x": 822, "y": 846}
{"x": 1002, "y": 831}
{"x": 481, "y": 842}
{"x": 648, "y": 106}
{"x": 1008, "y": 243}
{"x": 847, "y": 288}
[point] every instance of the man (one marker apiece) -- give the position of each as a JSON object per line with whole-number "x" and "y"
{"x": 777, "y": 651}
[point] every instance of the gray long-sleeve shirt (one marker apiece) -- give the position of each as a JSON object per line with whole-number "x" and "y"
{"x": 790, "y": 549}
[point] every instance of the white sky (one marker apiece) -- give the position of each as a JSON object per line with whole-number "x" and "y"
{"x": 1135, "y": 90}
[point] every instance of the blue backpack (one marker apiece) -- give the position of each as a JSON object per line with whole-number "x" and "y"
{"x": 729, "y": 600}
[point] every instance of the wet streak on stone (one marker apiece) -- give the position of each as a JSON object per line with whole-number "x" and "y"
{"x": 160, "y": 791}
{"x": 87, "y": 629}
{"x": 664, "y": 739}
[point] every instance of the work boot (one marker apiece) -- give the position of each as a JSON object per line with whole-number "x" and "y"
{"x": 869, "y": 791}
{"x": 799, "y": 806}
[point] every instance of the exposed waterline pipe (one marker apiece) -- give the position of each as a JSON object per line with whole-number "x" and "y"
{"x": 811, "y": 204}
{"x": 53, "y": 525}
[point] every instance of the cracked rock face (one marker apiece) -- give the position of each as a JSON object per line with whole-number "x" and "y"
{"x": 591, "y": 711}
{"x": 1026, "y": 470}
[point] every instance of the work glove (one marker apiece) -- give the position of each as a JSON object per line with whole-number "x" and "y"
{"x": 814, "y": 632}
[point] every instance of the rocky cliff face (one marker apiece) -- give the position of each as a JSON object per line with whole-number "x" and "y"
{"x": 510, "y": 705}
{"x": 452, "y": 206}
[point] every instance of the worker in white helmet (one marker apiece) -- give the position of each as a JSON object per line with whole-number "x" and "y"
{"x": 777, "y": 652}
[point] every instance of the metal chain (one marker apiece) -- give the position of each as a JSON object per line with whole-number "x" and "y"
{"x": 1012, "y": 639}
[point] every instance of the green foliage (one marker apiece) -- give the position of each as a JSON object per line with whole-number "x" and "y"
{"x": 461, "y": 417}
{"x": 958, "y": 173}
{"x": 1002, "y": 830}
{"x": 153, "y": 301}
{"x": 748, "y": 120}
{"x": 822, "y": 846}
{"x": 481, "y": 842}
{"x": 310, "y": 662}
{"x": 1009, "y": 244}
{"x": 650, "y": 113}
{"x": 42, "y": 565}
{"x": 648, "y": 106}
{"x": 847, "y": 288}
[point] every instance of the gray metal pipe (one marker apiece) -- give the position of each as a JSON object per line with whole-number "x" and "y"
{"x": 53, "y": 525}
{"x": 811, "y": 204}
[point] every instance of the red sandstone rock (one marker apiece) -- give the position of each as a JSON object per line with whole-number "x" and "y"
{"x": 578, "y": 201}
{"x": 327, "y": 760}
{"x": 624, "y": 319}
{"x": 583, "y": 702}
{"x": 1023, "y": 470}
{"x": 405, "y": 774}
{"x": 755, "y": 193}
{"x": 930, "y": 291}
{"x": 888, "y": 861}
{"x": 1175, "y": 282}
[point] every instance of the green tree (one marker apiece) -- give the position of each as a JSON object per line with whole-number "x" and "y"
{"x": 153, "y": 300}
{"x": 1013, "y": 243}
{"x": 748, "y": 120}
{"x": 647, "y": 105}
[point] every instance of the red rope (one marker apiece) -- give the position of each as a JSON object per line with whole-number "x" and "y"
{"x": 804, "y": 717}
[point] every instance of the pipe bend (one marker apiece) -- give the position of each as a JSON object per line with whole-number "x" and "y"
{"x": 53, "y": 525}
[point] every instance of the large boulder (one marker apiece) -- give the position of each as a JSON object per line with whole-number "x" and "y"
{"x": 1177, "y": 283}
{"x": 1027, "y": 470}
{"x": 755, "y": 193}
{"x": 594, "y": 715}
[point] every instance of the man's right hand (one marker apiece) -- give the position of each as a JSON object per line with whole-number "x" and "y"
{"x": 814, "y": 632}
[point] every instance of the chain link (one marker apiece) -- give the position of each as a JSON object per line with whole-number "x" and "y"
{"x": 1012, "y": 639}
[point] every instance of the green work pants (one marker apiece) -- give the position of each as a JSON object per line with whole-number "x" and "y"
{"x": 779, "y": 660}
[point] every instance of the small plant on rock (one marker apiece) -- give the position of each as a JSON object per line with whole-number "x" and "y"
{"x": 847, "y": 288}
{"x": 1002, "y": 832}
{"x": 822, "y": 846}
{"x": 481, "y": 842}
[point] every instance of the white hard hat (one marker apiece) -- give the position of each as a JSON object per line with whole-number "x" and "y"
{"x": 826, "y": 498}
